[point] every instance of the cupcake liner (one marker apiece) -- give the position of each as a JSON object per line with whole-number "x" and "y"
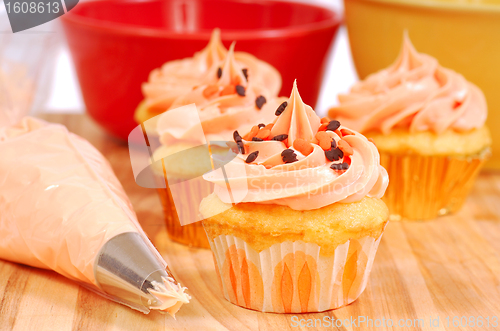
{"x": 292, "y": 277}
{"x": 194, "y": 191}
{"x": 424, "y": 187}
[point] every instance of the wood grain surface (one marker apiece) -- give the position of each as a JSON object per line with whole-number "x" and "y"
{"x": 444, "y": 268}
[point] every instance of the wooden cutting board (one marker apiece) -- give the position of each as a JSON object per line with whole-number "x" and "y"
{"x": 448, "y": 268}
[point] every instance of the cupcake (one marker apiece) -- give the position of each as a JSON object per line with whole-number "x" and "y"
{"x": 235, "y": 92}
{"x": 177, "y": 78}
{"x": 428, "y": 123}
{"x": 308, "y": 217}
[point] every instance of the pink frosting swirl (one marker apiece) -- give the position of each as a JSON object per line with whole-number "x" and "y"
{"x": 309, "y": 182}
{"x": 177, "y": 78}
{"x": 414, "y": 93}
{"x": 221, "y": 108}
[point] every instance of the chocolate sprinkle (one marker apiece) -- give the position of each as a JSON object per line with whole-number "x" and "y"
{"x": 280, "y": 137}
{"x": 260, "y": 101}
{"x": 239, "y": 142}
{"x": 340, "y": 166}
{"x": 240, "y": 90}
{"x": 289, "y": 156}
{"x": 281, "y": 108}
{"x": 236, "y": 136}
{"x": 290, "y": 159}
{"x": 245, "y": 73}
{"x": 261, "y": 125}
{"x": 219, "y": 72}
{"x": 333, "y": 125}
{"x": 257, "y": 139}
{"x": 334, "y": 144}
{"x": 252, "y": 156}
{"x": 241, "y": 147}
{"x": 334, "y": 154}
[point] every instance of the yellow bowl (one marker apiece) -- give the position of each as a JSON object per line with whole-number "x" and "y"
{"x": 462, "y": 35}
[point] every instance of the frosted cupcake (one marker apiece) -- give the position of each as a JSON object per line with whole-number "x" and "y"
{"x": 304, "y": 234}
{"x": 177, "y": 78}
{"x": 428, "y": 123}
{"x": 227, "y": 97}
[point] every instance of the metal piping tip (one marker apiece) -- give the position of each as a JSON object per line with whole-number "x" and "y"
{"x": 127, "y": 270}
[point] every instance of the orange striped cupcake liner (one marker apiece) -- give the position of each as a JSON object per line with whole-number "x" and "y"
{"x": 292, "y": 277}
{"x": 425, "y": 187}
{"x": 194, "y": 191}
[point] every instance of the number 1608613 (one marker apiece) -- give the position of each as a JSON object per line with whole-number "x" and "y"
{"x": 33, "y": 7}
{"x": 472, "y": 321}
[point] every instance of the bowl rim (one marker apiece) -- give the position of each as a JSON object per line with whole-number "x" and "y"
{"x": 334, "y": 21}
{"x": 439, "y": 5}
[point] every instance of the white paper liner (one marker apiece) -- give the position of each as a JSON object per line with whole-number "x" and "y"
{"x": 292, "y": 277}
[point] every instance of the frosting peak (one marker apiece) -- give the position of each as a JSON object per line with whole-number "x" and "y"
{"x": 231, "y": 72}
{"x": 214, "y": 52}
{"x": 226, "y": 100}
{"x": 300, "y": 161}
{"x": 415, "y": 93}
{"x": 214, "y": 67}
{"x": 298, "y": 120}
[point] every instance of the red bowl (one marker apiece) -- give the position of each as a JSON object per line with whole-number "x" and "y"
{"x": 115, "y": 44}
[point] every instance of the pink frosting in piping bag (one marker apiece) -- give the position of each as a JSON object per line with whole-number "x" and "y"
{"x": 414, "y": 93}
{"x": 308, "y": 183}
{"x": 50, "y": 237}
{"x": 60, "y": 203}
{"x": 176, "y": 78}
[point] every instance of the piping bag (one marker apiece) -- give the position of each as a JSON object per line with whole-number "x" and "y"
{"x": 62, "y": 208}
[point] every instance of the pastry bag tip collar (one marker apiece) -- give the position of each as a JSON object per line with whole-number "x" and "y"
{"x": 128, "y": 271}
